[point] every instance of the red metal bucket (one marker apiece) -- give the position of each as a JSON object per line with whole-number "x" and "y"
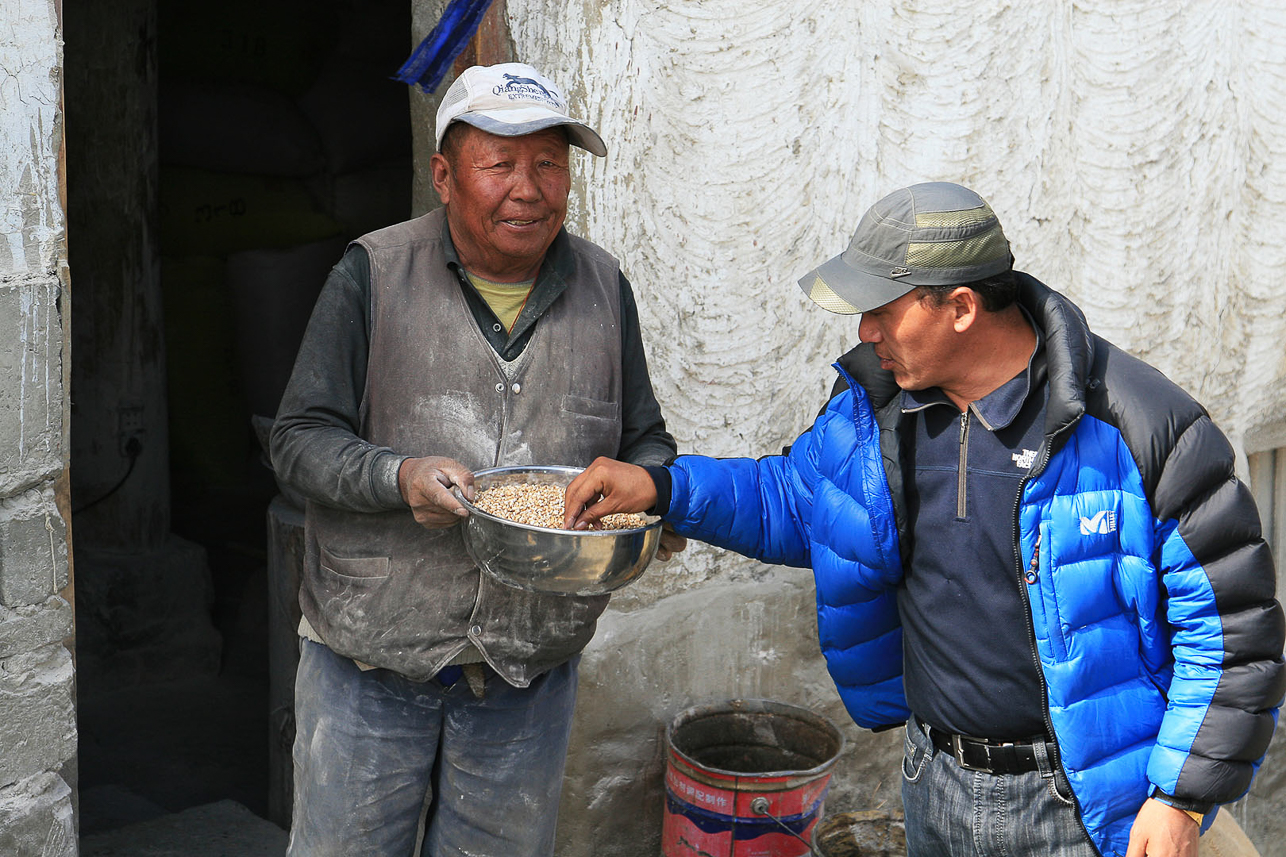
{"x": 746, "y": 778}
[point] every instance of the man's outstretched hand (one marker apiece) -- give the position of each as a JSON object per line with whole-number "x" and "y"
{"x": 1160, "y": 830}
{"x": 605, "y": 488}
{"x": 426, "y": 485}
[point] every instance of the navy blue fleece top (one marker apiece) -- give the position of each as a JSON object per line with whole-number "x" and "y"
{"x": 969, "y": 664}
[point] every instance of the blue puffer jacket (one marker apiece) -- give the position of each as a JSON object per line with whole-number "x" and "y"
{"x": 1151, "y": 592}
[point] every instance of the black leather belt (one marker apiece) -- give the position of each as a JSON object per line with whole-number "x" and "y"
{"x": 980, "y": 754}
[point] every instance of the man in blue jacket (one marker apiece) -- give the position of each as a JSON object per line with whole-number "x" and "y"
{"x": 1028, "y": 546}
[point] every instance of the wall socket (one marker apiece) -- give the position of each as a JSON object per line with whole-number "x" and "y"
{"x": 129, "y": 426}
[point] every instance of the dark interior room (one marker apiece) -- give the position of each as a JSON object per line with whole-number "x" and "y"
{"x": 219, "y": 156}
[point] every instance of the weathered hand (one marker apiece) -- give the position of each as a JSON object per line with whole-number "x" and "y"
{"x": 426, "y": 485}
{"x": 607, "y": 487}
{"x": 1160, "y": 830}
{"x": 671, "y": 543}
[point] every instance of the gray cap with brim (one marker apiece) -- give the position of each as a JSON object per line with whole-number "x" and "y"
{"x": 930, "y": 234}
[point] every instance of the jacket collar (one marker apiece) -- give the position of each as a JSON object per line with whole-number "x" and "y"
{"x": 1069, "y": 350}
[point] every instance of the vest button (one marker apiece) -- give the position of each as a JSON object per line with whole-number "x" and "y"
{"x": 500, "y": 388}
{"x": 516, "y": 389}
{"x": 475, "y": 630}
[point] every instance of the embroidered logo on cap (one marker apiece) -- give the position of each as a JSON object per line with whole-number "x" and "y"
{"x": 899, "y": 272}
{"x": 516, "y": 87}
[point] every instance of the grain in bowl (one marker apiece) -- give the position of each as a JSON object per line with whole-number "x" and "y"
{"x": 541, "y": 506}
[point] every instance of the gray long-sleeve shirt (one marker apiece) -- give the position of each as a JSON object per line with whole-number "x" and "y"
{"x": 315, "y": 445}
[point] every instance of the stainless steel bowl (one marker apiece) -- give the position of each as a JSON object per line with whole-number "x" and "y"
{"x": 561, "y": 562}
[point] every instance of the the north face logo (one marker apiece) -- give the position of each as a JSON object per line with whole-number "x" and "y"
{"x": 1102, "y": 523}
{"x": 1024, "y": 459}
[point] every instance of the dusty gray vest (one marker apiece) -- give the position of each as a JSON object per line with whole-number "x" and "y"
{"x": 385, "y": 591}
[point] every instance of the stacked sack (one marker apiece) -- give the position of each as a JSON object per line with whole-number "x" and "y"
{"x": 282, "y": 137}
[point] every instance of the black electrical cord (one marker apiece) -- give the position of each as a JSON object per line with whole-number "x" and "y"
{"x": 133, "y": 448}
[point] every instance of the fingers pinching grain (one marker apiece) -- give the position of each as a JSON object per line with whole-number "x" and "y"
{"x": 541, "y": 506}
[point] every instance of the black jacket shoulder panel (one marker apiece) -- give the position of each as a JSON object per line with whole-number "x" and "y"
{"x": 1156, "y": 419}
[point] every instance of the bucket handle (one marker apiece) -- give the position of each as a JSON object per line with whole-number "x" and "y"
{"x": 759, "y": 806}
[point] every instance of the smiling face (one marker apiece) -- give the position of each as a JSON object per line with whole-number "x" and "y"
{"x": 914, "y": 338}
{"x": 506, "y": 199}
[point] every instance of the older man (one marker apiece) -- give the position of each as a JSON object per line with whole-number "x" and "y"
{"x": 1028, "y": 546}
{"x": 432, "y": 701}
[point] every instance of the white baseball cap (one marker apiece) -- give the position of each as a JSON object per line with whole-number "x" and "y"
{"x": 511, "y": 99}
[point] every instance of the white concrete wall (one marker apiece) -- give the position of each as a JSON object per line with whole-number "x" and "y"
{"x": 1133, "y": 149}
{"x": 38, "y": 738}
{"x": 31, "y": 219}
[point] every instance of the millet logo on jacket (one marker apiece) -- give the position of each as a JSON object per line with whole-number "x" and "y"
{"x": 1102, "y": 523}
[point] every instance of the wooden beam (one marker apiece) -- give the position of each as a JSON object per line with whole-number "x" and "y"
{"x": 491, "y": 44}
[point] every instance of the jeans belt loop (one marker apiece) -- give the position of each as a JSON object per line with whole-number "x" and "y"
{"x": 1044, "y": 758}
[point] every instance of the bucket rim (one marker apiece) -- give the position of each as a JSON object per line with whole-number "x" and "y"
{"x": 756, "y": 705}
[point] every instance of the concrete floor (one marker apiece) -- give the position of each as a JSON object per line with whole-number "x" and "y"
{"x": 177, "y": 770}
{"x": 181, "y": 767}
{"x": 223, "y": 829}
{"x": 147, "y": 751}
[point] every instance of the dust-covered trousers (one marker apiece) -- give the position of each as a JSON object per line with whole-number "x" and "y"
{"x": 383, "y": 763}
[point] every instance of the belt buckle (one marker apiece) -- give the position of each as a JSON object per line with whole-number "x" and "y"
{"x": 957, "y": 750}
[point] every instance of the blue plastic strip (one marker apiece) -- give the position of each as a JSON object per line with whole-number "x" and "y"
{"x": 429, "y": 63}
{"x": 742, "y": 828}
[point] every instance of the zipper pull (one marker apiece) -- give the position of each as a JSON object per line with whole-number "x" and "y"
{"x": 1032, "y": 574}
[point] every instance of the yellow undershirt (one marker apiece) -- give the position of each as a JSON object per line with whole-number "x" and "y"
{"x": 505, "y": 299}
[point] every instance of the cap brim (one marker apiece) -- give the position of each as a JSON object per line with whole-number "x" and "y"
{"x": 578, "y": 133}
{"x": 838, "y": 287}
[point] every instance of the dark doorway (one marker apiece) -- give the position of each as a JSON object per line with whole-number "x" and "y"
{"x": 219, "y": 156}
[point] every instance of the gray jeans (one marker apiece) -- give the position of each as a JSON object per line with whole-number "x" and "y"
{"x": 955, "y": 812}
{"x": 382, "y": 761}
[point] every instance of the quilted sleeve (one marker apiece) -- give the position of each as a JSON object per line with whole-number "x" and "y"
{"x": 828, "y": 493}
{"x": 1227, "y": 626}
{"x": 756, "y": 507}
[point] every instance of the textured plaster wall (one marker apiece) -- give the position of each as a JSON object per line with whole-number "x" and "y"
{"x": 1135, "y": 152}
{"x": 38, "y": 739}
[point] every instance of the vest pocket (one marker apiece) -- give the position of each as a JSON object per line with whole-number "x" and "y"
{"x": 597, "y": 408}
{"x": 357, "y": 568}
